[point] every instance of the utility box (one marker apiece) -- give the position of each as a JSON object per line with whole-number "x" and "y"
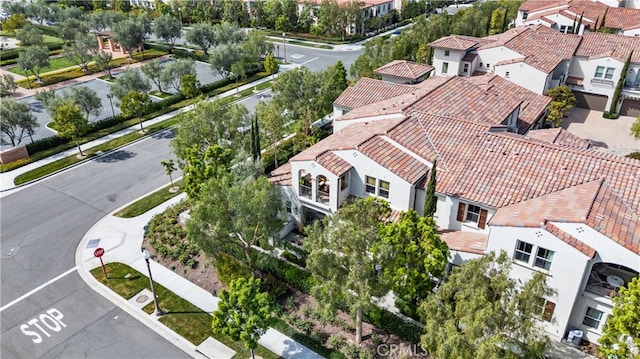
{"x": 575, "y": 337}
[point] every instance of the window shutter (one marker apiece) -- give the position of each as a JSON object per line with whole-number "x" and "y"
{"x": 482, "y": 221}
{"x": 549, "y": 307}
{"x": 461, "y": 211}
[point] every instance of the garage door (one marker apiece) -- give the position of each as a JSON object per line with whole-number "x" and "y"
{"x": 630, "y": 108}
{"x": 591, "y": 101}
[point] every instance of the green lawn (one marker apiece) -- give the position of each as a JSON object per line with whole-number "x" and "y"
{"x": 146, "y": 203}
{"x": 50, "y": 40}
{"x": 54, "y": 64}
{"x": 182, "y": 317}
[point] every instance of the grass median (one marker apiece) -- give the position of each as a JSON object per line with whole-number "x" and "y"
{"x": 151, "y": 201}
{"x": 184, "y": 318}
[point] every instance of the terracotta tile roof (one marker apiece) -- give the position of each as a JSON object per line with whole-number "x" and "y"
{"x": 461, "y": 99}
{"x": 459, "y": 42}
{"x": 542, "y": 16}
{"x": 470, "y": 56}
{"x": 511, "y": 61}
{"x": 560, "y": 137}
{"x": 567, "y": 205}
{"x": 537, "y": 5}
{"x": 394, "y": 159}
{"x": 462, "y": 241}
{"x": 367, "y": 91}
{"x": 595, "y": 44}
{"x": 622, "y": 18}
{"x": 281, "y": 176}
{"x": 533, "y": 104}
{"x": 614, "y": 218}
{"x": 574, "y": 80}
{"x": 333, "y": 163}
{"x": 542, "y": 48}
{"x": 571, "y": 240}
{"x": 404, "y": 69}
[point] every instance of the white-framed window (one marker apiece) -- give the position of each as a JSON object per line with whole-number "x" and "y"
{"x": 543, "y": 258}
{"x": 566, "y": 29}
{"x": 592, "y": 318}
{"x": 609, "y": 73}
{"x": 383, "y": 189}
{"x": 523, "y": 251}
{"x": 465, "y": 68}
{"x": 370, "y": 185}
{"x": 473, "y": 213}
{"x": 544, "y": 308}
{"x": 445, "y": 67}
{"x": 446, "y": 52}
{"x": 604, "y": 72}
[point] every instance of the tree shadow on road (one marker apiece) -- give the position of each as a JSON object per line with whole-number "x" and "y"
{"x": 163, "y": 135}
{"x": 121, "y": 155}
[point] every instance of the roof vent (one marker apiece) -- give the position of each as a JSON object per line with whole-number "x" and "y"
{"x": 627, "y": 216}
{"x": 599, "y": 216}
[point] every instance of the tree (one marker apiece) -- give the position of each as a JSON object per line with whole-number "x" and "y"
{"x": 70, "y": 122}
{"x": 30, "y": 35}
{"x": 257, "y": 48}
{"x": 618, "y": 90}
{"x": 243, "y": 313}
{"x": 255, "y": 139}
{"x": 272, "y": 10}
{"x": 283, "y": 24}
{"x": 175, "y": 70}
{"x": 86, "y": 99}
{"x": 272, "y": 122}
{"x": 621, "y": 334}
{"x": 122, "y": 6}
{"x": 70, "y": 28}
{"x": 341, "y": 257}
{"x": 103, "y": 62}
{"x": 169, "y": 168}
{"x": 101, "y": 20}
{"x": 33, "y": 59}
{"x": 234, "y": 12}
{"x": 334, "y": 83}
{"x": 271, "y": 65}
{"x": 305, "y": 20}
{"x": 480, "y": 312}
{"x": 130, "y": 34}
{"x": 129, "y": 80}
{"x": 16, "y": 122}
{"x": 154, "y": 72}
{"x": 82, "y": 50}
{"x": 233, "y": 215}
{"x": 562, "y": 101}
{"x": 190, "y": 86}
{"x": 13, "y": 23}
{"x": 203, "y": 35}
{"x": 377, "y": 52}
{"x": 37, "y": 10}
{"x": 223, "y": 57}
{"x": 635, "y": 128}
{"x": 293, "y": 90}
{"x": 414, "y": 257}
{"x": 430, "y": 199}
{"x": 239, "y": 71}
{"x": 168, "y": 28}
{"x": 7, "y": 85}
{"x": 134, "y": 104}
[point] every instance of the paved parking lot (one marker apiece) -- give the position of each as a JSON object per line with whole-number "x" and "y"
{"x": 612, "y": 136}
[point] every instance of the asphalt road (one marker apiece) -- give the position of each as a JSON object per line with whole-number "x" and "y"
{"x": 318, "y": 59}
{"x": 41, "y": 227}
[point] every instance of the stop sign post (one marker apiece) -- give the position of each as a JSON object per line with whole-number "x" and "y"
{"x": 98, "y": 253}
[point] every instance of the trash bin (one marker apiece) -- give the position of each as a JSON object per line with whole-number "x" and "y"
{"x": 575, "y": 337}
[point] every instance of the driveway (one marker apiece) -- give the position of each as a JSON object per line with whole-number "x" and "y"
{"x": 611, "y": 136}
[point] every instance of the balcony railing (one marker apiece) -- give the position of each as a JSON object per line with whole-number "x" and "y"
{"x": 601, "y": 291}
{"x": 322, "y": 197}
{"x": 602, "y": 82}
{"x": 305, "y": 191}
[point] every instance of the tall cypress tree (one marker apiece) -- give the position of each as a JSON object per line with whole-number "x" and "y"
{"x": 576, "y": 30}
{"x": 505, "y": 20}
{"x": 430, "y": 199}
{"x": 616, "y": 93}
{"x": 255, "y": 139}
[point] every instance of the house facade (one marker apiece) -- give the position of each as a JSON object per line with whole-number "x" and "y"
{"x": 542, "y": 195}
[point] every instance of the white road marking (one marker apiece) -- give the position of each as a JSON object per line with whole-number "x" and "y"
{"x": 24, "y": 296}
{"x": 297, "y": 56}
{"x": 306, "y": 62}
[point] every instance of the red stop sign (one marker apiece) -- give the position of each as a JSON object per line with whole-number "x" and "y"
{"x": 98, "y": 252}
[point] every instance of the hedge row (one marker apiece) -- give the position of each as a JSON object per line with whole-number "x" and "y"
{"x": 181, "y": 53}
{"x": 13, "y": 54}
{"x": 287, "y": 272}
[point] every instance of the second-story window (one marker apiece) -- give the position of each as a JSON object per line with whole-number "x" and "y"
{"x": 604, "y": 73}
{"x": 523, "y": 251}
{"x": 473, "y": 213}
{"x": 543, "y": 258}
{"x": 383, "y": 190}
{"x": 377, "y": 187}
{"x": 446, "y": 52}
{"x": 445, "y": 67}
{"x": 469, "y": 213}
{"x": 370, "y": 186}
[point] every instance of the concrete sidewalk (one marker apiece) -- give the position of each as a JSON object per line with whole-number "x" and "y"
{"x": 7, "y": 185}
{"x": 122, "y": 239}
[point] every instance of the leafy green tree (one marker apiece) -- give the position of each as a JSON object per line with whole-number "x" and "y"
{"x": 86, "y": 99}
{"x": 480, "y": 312}
{"x": 13, "y": 23}
{"x": 235, "y": 12}
{"x": 49, "y": 100}
{"x": 283, "y": 24}
{"x": 122, "y": 5}
{"x": 101, "y": 20}
{"x": 329, "y": 15}
{"x": 7, "y": 85}
{"x": 430, "y": 199}
{"x": 377, "y": 52}
{"x": 635, "y": 128}
{"x": 99, "y": 5}
{"x": 335, "y": 82}
{"x": 621, "y": 334}
{"x": 16, "y": 122}
{"x": 130, "y": 34}
{"x": 243, "y": 313}
{"x": 342, "y": 260}
{"x": 104, "y": 62}
{"x": 30, "y": 35}
{"x": 175, "y": 70}
{"x": 82, "y": 50}
{"x": 271, "y": 65}
{"x": 239, "y": 71}
{"x": 257, "y": 48}
{"x": 233, "y": 215}
{"x": 37, "y": 10}
{"x": 271, "y": 121}
{"x": 272, "y": 10}
{"x": 169, "y": 168}
{"x": 223, "y": 57}
{"x": 562, "y": 101}
{"x": 130, "y": 80}
{"x": 296, "y": 89}
{"x": 202, "y": 35}
{"x": 134, "y": 104}
{"x": 414, "y": 257}
{"x": 70, "y": 123}
{"x": 153, "y": 70}
{"x": 33, "y": 59}
{"x": 316, "y": 31}
{"x": 306, "y": 134}
{"x": 69, "y": 29}
{"x": 190, "y": 86}
{"x": 290, "y": 11}
{"x": 168, "y": 28}
{"x": 305, "y": 20}
{"x": 255, "y": 139}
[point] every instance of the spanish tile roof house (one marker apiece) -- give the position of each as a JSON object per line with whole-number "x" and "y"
{"x": 403, "y": 72}
{"x": 553, "y": 204}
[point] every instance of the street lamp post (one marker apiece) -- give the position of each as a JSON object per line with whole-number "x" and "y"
{"x": 284, "y": 48}
{"x": 110, "y": 96}
{"x": 147, "y": 255}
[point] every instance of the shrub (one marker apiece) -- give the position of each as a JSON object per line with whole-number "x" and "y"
{"x": 273, "y": 286}
{"x": 407, "y": 307}
{"x": 634, "y": 155}
{"x": 336, "y": 341}
{"x": 610, "y": 115}
{"x": 298, "y": 278}
{"x": 230, "y": 269}
{"x": 294, "y": 259}
{"x": 393, "y": 324}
